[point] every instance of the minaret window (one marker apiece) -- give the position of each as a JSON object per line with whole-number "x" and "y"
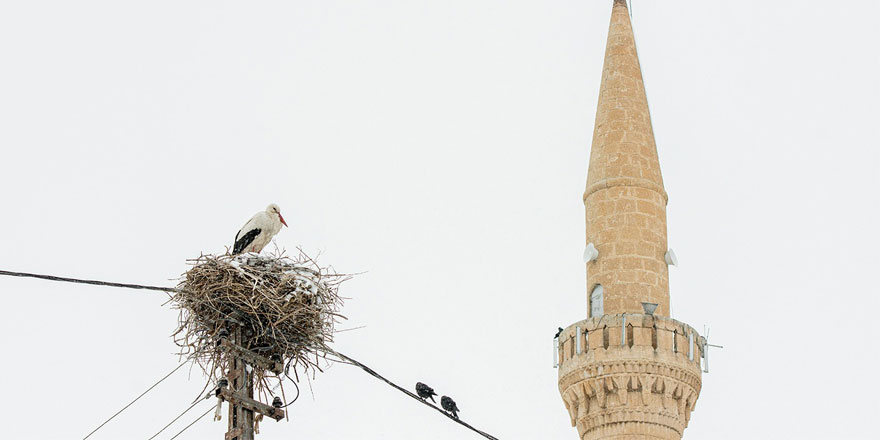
{"x": 596, "y": 298}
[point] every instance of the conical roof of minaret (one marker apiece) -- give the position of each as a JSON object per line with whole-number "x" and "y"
{"x": 623, "y": 152}
{"x": 628, "y": 330}
{"x": 625, "y": 200}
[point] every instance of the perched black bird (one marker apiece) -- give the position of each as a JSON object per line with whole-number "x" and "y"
{"x": 425, "y": 392}
{"x": 558, "y": 332}
{"x": 449, "y": 405}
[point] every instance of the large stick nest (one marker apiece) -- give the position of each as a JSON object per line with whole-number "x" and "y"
{"x": 285, "y": 310}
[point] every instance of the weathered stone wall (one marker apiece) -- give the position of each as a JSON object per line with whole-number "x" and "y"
{"x": 628, "y": 226}
{"x": 630, "y": 376}
{"x": 626, "y": 375}
{"x": 625, "y": 199}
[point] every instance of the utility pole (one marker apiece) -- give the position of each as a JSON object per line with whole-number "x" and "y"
{"x": 241, "y": 420}
{"x": 240, "y": 393}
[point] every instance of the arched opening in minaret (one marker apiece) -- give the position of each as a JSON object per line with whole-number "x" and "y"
{"x": 596, "y": 301}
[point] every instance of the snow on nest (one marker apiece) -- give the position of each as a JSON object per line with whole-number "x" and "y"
{"x": 285, "y": 307}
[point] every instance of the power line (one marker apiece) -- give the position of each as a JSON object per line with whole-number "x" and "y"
{"x": 373, "y": 373}
{"x": 207, "y": 396}
{"x": 180, "y": 415}
{"x": 192, "y": 423}
{"x": 345, "y": 358}
{"x": 93, "y": 282}
{"x": 136, "y": 399}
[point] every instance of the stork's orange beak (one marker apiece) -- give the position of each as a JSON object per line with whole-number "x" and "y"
{"x": 282, "y": 220}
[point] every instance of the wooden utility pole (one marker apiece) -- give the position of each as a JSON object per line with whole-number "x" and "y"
{"x": 241, "y": 420}
{"x": 240, "y": 393}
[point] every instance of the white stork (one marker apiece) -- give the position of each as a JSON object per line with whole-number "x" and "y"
{"x": 259, "y": 230}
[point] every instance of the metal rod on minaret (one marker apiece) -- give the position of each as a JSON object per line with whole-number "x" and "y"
{"x": 706, "y": 355}
{"x": 706, "y": 359}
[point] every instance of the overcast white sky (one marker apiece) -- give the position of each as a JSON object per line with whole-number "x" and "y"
{"x": 442, "y": 147}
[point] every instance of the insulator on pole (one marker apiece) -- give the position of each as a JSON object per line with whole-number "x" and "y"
{"x": 217, "y": 413}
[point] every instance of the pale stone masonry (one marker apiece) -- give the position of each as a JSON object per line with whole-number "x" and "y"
{"x": 630, "y": 376}
{"x": 624, "y": 374}
{"x": 625, "y": 200}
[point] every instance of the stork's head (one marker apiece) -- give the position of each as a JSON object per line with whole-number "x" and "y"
{"x": 275, "y": 210}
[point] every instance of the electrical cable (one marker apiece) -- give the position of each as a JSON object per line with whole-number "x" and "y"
{"x": 180, "y": 415}
{"x": 136, "y": 399}
{"x": 207, "y": 396}
{"x": 373, "y": 373}
{"x": 93, "y": 282}
{"x": 345, "y": 358}
{"x": 192, "y": 423}
{"x": 286, "y": 370}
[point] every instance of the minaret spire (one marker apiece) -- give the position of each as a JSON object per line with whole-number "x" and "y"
{"x": 625, "y": 199}
{"x": 627, "y": 372}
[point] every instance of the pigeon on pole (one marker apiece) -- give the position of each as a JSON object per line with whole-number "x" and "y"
{"x": 425, "y": 392}
{"x": 449, "y": 405}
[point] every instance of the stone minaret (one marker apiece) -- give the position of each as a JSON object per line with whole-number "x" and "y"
{"x": 625, "y": 373}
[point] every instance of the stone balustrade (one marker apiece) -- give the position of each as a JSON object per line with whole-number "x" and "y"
{"x": 630, "y": 374}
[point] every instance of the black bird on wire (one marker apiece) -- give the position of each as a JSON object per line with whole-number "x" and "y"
{"x": 425, "y": 392}
{"x": 449, "y": 405}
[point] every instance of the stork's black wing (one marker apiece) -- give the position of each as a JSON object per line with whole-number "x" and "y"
{"x": 241, "y": 243}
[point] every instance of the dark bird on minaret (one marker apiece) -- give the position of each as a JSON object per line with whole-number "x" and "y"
{"x": 449, "y": 405}
{"x": 558, "y": 332}
{"x": 425, "y": 392}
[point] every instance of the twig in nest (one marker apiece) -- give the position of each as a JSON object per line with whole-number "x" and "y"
{"x": 286, "y": 308}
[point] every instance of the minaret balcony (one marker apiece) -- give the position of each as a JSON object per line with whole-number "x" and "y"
{"x": 630, "y": 374}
